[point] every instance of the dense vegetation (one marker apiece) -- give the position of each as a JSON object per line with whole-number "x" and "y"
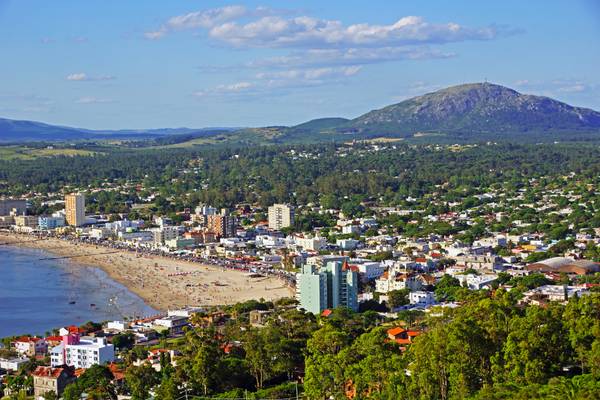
{"x": 248, "y": 174}
{"x": 489, "y": 348}
{"x": 428, "y": 179}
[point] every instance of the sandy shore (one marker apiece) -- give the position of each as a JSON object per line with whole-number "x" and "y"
{"x": 154, "y": 278}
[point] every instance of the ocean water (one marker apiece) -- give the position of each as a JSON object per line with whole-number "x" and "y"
{"x": 36, "y": 295}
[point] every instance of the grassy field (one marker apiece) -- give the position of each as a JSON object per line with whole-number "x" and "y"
{"x": 189, "y": 143}
{"x": 28, "y": 153}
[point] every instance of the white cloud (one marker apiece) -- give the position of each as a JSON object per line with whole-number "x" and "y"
{"x": 83, "y": 77}
{"x": 276, "y": 31}
{"x": 350, "y": 56}
{"x": 571, "y": 90}
{"x": 270, "y": 82}
{"x": 239, "y": 26}
{"x": 205, "y": 19}
{"x": 314, "y": 74}
{"x": 92, "y": 100}
{"x": 232, "y": 88}
{"x": 77, "y": 77}
{"x": 549, "y": 88}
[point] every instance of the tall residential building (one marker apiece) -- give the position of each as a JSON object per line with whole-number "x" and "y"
{"x": 164, "y": 234}
{"x": 333, "y": 285}
{"x": 82, "y": 352}
{"x": 281, "y": 216}
{"x": 14, "y": 207}
{"x": 221, "y": 225}
{"x": 75, "y": 209}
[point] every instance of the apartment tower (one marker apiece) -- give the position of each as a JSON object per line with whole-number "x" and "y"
{"x": 75, "y": 209}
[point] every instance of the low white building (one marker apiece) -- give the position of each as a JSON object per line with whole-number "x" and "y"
{"x": 347, "y": 244}
{"x": 269, "y": 241}
{"x": 186, "y": 312}
{"x": 311, "y": 244}
{"x": 477, "y": 282}
{"x": 13, "y": 364}
{"x": 350, "y": 229}
{"x": 390, "y": 282}
{"x": 117, "y": 326}
{"x": 174, "y": 323}
{"x": 370, "y": 270}
{"x": 421, "y": 298}
{"x": 555, "y": 293}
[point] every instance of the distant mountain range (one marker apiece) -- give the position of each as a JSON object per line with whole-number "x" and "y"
{"x": 27, "y": 131}
{"x": 471, "y": 112}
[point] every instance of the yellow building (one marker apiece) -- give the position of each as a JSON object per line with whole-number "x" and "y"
{"x": 75, "y": 209}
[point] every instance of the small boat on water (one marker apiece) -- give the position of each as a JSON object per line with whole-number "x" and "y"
{"x": 92, "y": 304}
{"x": 72, "y": 302}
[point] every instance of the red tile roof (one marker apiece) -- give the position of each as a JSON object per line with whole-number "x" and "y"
{"x": 48, "y": 372}
{"x": 117, "y": 373}
{"x": 395, "y": 331}
{"x": 27, "y": 339}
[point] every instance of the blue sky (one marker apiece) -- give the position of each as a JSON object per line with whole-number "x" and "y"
{"x": 111, "y": 64}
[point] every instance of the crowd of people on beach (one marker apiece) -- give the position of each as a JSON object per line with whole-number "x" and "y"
{"x": 288, "y": 278}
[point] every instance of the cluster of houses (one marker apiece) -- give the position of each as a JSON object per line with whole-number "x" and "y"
{"x": 382, "y": 261}
{"x": 74, "y": 349}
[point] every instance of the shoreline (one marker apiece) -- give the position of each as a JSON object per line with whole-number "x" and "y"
{"x": 162, "y": 282}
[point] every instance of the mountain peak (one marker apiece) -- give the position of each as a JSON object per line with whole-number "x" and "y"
{"x": 474, "y": 108}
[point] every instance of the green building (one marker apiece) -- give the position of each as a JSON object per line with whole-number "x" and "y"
{"x": 333, "y": 285}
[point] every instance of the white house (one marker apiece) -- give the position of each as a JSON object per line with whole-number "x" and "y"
{"x": 370, "y": 270}
{"x": 117, "y": 325}
{"x": 311, "y": 244}
{"x": 30, "y": 346}
{"x": 347, "y": 244}
{"x": 13, "y": 364}
{"x": 389, "y": 282}
{"x": 477, "y": 282}
{"x": 421, "y": 298}
{"x": 350, "y": 229}
{"x": 173, "y": 323}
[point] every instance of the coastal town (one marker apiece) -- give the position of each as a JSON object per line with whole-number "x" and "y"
{"x": 198, "y": 265}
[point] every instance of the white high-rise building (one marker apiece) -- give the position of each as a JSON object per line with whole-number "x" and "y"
{"x": 281, "y": 216}
{"x": 82, "y": 352}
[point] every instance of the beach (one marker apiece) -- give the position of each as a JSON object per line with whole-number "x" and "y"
{"x": 163, "y": 283}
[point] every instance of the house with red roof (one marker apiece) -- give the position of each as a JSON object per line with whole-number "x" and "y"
{"x": 402, "y": 336}
{"x": 70, "y": 330}
{"x": 48, "y": 379}
{"x": 30, "y": 346}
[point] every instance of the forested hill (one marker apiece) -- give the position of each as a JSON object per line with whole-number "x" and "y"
{"x": 480, "y": 108}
